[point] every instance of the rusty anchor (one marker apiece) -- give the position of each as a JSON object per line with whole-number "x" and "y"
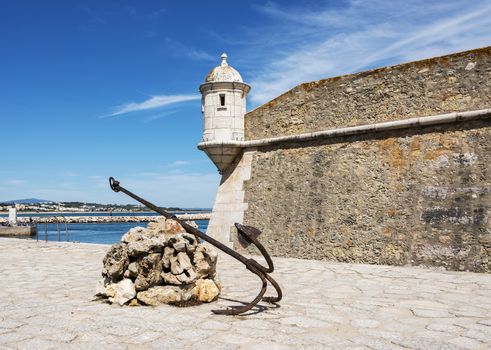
{"x": 247, "y": 236}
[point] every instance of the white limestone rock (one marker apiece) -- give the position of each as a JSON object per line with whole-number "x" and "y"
{"x": 163, "y": 295}
{"x": 141, "y": 283}
{"x": 180, "y": 263}
{"x": 206, "y": 290}
{"x": 121, "y": 292}
{"x": 145, "y": 245}
{"x": 184, "y": 261}
{"x": 132, "y": 271}
{"x": 115, "y": 262}
{"x": 168, "y": 253}
{"x": 187, "y": 277}
{"x": 165, "y": 227}
{"x": 149, "y": 268}
{"x": 184, "y": 243}
{"x": 204, "y": 261}
{"x": 171, "y": 279}
{"x": 134, "y": 234}
{"x": 100, "y": 289}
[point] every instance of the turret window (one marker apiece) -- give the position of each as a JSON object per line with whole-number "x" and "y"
{"x": 222, "y": 99}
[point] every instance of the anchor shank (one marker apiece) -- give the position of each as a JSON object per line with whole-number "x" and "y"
{"x": 251, "y": 264}
{"x": 190, "y": 229}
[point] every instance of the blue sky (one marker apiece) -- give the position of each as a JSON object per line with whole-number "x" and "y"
{"x": 91, "y": 89}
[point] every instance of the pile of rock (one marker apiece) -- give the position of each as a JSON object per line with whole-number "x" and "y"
{"x": 159, "y": 264}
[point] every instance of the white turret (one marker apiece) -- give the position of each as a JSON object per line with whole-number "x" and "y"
{"x": 223, "y": 105}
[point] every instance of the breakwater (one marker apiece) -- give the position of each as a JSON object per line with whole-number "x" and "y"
{"x": 101, "y": 219}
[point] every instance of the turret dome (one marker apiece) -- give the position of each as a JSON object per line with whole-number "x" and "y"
{"x": 223, "y": 73}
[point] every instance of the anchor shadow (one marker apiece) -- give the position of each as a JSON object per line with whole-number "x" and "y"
{"x": 257, "y": 309}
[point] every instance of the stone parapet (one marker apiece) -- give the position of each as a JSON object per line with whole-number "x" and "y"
{"x": 452, "y": 83}
{"x": 419, "y": 198}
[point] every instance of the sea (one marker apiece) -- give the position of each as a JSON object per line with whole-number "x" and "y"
{"x": 100, "y": 233}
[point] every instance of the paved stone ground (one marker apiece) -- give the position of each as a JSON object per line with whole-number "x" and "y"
{"x": 46, "y": 301}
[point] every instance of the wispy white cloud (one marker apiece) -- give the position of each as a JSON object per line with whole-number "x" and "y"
{"x": 69, "y": 174}
{"x": 177, "y": 48}
{"x": 146, "y": 174}
{"x": 14, "y": 182}
{"x": 159, "y": 116}
{"x": 153, "y": 103}
{"x": 312, "y": 41}
{"x": 175, "y": 166}
{"x": 60, "y": 194}
{"x": 179, "y": 163}
{"x": 315, "y": 41}
{"x": 432, "y": 37}
{"x": 157, "y": 13}
{"x": 198, "y": 55}
{"x": 176, "y": 189}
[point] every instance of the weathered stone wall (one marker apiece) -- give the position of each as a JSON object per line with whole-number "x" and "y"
{"x": 415, "y": 196}
{"x": 450, "y": 83}
{"x": 400, "y": 199}
{"x": 229, "y": 204}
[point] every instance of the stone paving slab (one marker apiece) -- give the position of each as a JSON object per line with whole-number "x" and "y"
{"x": 46, "y": 301}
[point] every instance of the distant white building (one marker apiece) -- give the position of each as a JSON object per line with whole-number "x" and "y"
{"x": 13, "y": 216}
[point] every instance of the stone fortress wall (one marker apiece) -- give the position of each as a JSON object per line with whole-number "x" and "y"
{"x": 414, "y": 196}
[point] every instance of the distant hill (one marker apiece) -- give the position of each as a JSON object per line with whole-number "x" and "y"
{"x": 26, "y": 201}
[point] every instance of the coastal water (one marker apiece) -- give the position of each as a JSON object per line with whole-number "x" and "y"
{"x": 102, "y": 233}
